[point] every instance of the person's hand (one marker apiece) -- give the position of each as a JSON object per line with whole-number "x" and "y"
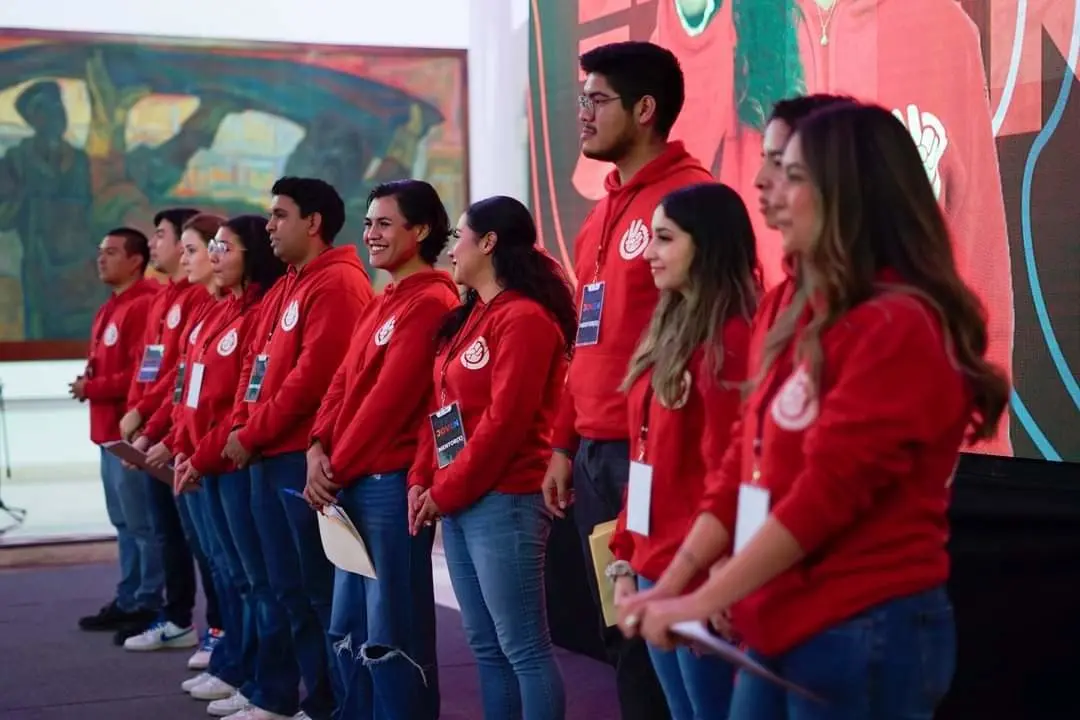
{"x": 130, "y": 424}
{"x": 426, "y": 513}
{"x": 78, "y": 388}
{"x": 721, "y": 621}
{"x": 185, "y": 477}
{"x": 556, "y": 486}
{"x": 416, "y": 501}
{"x": 235, "y": 451}
{"x": 320, "y": 490}
{"x": 658, "y": 616}
{"x": 632, "y": 607}
{"x": 141, "y": 443}
{"x": 158, "y": 455}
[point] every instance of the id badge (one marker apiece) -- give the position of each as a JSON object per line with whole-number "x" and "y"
{"x": 195, "y": 385}
{"x": 151, "y": 363}
{"x": 258, "y": 372}
{"x": 449, "y": 433}
{"x": 639, "y": 498}
{"x": 178, "y": 389}
{"x": 753, "y": 509}
{"x": 592, "y": 305}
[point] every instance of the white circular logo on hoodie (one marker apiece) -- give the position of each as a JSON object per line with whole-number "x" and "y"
{"x": 227, "y": 344}
{"x": 111, "y": 335}
{"x": 194, "y": 335}
{"x": 291, "y": 316}
{"x": 634, "y": 240}
{"x": 385, "y": 332}
{"x": 795, "y": 406}
{"x": 173, "y": 318}
{"x": 476, "y": 356}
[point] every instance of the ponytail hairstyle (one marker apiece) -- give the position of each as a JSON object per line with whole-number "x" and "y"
{"x": 520, "y": 265}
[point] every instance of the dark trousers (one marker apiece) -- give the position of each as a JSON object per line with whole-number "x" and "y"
{"x": 601, "y": 472}
{"x": 171, "y": 532}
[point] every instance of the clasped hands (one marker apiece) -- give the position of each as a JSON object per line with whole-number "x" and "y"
{"x": 651, "y": 613}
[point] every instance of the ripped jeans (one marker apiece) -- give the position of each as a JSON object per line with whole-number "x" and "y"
{"x": 383, "y": 630}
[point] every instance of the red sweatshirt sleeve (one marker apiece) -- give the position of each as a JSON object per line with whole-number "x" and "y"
{"x": 422, "y": 472}
{"x": 206, "y": 458}
{"x": 403, "y": 385}
{"x": 159, "y": 423}
{"x": 564, "y": 436}
{"x": 521, "y": 364}
{"x": 327, "y": 334}
{"x": 116, "y": 386}
{"x": 250, "y": 350}
{"x": 872, "y": 421}
{"x": 330, "y": 409}
{"x": 622, "y": 540}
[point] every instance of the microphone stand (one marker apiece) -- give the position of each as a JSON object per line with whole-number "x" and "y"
{"x": 18, "y": 515}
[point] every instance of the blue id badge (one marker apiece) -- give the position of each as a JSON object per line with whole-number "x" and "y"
{"x": 151, "y": 363}
{"x": 258, "y": 374}
{"x": 592, "y": 305}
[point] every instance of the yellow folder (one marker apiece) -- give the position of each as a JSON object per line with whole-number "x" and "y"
{"x": 599, "y": 540}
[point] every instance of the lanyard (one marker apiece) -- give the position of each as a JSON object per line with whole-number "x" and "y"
{"x": 606, "y": 229}
{"x": 455, "y": 345}
{"x": 643, "y": 434}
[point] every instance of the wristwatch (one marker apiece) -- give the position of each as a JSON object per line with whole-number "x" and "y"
{"x": 618, "y": 569}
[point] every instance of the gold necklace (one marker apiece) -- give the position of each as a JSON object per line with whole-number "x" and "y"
{"x": 825, "y": 20}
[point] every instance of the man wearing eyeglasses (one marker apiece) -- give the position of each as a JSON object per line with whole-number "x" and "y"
{"x": 633, "y": 94}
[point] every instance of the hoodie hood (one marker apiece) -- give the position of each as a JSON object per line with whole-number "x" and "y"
{"x": 420, "y": 279}
{"x": 335, "y": 256}
{"x": 674, "y": 159}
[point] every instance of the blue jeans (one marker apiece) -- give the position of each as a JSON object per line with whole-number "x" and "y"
{"x": 697, "y": 687}
{"x": 383, "y": 630}
{"x": 892, "y": 662}
{"x": 263, "y": 637}
{"x": 127, "y": 501}
{"x": 495, "y": 552}
{"x": 300, "y": 574}
{"x": 227, "y": 660}
{"x": 188, "y": 506}
{"x": 176, "y": 556}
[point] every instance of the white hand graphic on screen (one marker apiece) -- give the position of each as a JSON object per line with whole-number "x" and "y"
{"x": 929, "y": 135}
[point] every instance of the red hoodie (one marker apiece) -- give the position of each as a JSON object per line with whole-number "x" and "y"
{"x": 304, "y": 332}
{"x": 609, "y": 249}
{"x": 369, "y": 420}
{"x": 165, "y": 324}
{"x": 216, "y": 357}
{"x": 681, "y": 443}
{"x": 505, "y": 370}
{"x": 860, "y": 475}
{"x": 116, "y": 342}
{"x": 161, "y": 422}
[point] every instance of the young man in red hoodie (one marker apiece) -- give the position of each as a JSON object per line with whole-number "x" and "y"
{"x": 632, "y": 97}
{"x": 305, "y": 328}
{"x": 385, "y": 382}
{"x": 151, "y": 387}
{"x": 115, "y": 348}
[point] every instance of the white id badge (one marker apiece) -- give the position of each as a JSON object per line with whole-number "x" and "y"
{"x": 639, "y": 498}
{"x": 752, "y": 511}
{"x": 194, "y": 385}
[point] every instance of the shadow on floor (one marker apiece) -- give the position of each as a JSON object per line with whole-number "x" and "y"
{"x": 49, "y": 670}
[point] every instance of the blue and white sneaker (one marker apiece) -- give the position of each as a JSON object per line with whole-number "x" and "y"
{"x": 201, "y": 659}
{"x": 162, "y": 635}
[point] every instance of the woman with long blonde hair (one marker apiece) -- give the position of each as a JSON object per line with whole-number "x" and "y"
{"x": 834, "y": 497}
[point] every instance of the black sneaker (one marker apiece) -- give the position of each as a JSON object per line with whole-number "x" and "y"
{"x": 109, "y": 617}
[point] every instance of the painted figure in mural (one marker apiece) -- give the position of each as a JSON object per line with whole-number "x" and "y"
{"x": 739, "y": 58}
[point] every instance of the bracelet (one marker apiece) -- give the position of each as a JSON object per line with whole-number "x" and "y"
{"x": 618, "y": 569}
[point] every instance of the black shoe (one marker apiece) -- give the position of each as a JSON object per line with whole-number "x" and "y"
{"x": 138, "y": 623}
{"x": 110, "y": 617}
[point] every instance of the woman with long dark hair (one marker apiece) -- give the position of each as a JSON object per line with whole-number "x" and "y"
{"x": 834, "y": 497}
{"x": 264, "y": 675}
{"x": 682, "y": 399}
{"x": 499, "y": 370}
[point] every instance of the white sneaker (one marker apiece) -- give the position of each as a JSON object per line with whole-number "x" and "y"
{"x": 192, "y": 683}
{"x": 255, "y": 713}
{"x": 201, "y": 659}
{"x": 234, "y": 704}
{"x": 301, "y": 716}
{"x": 161, "y": 636}
{"x": 213, "y": 689}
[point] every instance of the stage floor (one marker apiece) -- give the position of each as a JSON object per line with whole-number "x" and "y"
{"x": 50, "y": 670}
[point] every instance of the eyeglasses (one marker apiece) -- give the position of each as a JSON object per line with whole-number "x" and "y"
{"x": 589, "y": 103}
{"x": 218, "y": 247}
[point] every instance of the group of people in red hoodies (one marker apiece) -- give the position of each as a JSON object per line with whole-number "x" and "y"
{"x": 767, "y": 457}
